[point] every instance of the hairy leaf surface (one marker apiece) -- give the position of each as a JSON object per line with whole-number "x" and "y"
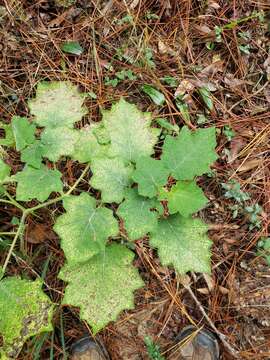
{"x": 112, "y": 177}
{"x": 4, "y": 171}
{"x": 135, "y": 211}
{"x": 25, "y": 311}
{"x": 182, "y": 243}
{"x": 190, "y": 153}
{"x": 58, "y": 142}
{"x": 23, "y": 131}
{"x": 57, "y": 104}
{"x": 32, "y": 154}
{"x": 8, "y": 140}
{"x": 103, "y": 286}
{"x": 84, "y": 228}
{"x": 150, "y": 174}
{"x": 37, "y": 183}
{"x": 87, "y": 147}
{"x": 186, "y": 197}
{"x": 129, "y": 130}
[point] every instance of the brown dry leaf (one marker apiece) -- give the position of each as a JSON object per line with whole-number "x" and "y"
{"x": 209, "y": 281}
{"x": 212, "y": 69}
{"x": 223, "y": 290}
{"x": 203, "y": 291}
{"x": 134, "y": 4}
{"x": 232, "y": 82}
{"x": 237, "y": 144}
{"x": 185, "y": 86}
{"x": 249, "y": 165}
{"x": 38, "y": 233}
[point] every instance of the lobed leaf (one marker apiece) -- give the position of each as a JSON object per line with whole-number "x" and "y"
{"x": 87, "y": 146}
{"x": 189, "y": 154}
{"x": 129, "y": 131}
{"x": 182, "y": 243}
{"x": 84, "y": 228}
{"x": 135, "y": 211}
{"x": 150, "y": 174}
{"x": 8, "y": 140}
{"x": 112, "y": 177}
{"x": 23, "y": 131}
{"x": 25, "y": 311}
{"x": 58, "y": 142}
{"x": 32, "y": 154}
{"x": 37, "y": 183}
{"x": 4, "y": 171}
{"x": 57, "y": 104}
{"x": 103, "y": 286}
{"x": 186, "y": 197}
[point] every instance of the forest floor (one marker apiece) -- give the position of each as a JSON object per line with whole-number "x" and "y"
{"x": 176, "y": 46}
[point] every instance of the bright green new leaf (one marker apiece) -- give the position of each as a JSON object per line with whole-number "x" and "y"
{"x": 135, "y": 211}
{"x": 57, "y": 104}
{"x": 129, "y": 130}
{"x": 111, "y": 177}
{"x": 58, "y": 142}
{"x": 190, "y": 153}
{"x": 87, "y": 147}
{"x": 183, "y": 243}
{"x": 103, "y": 286}
{"x": 4, "y": 171}
{"x": 25, "y": 311}
{"x": 84, "y": 228}
{"x": 8, "y": 140}
{"x": 32, "y": 154}
{"x": 150, "y": 174}
{"x": 37, "y": 183}
{"x": 186, "y": 197}
{"x": 156, "y": 96}
{"x": 23, "y": 131}
{"x": 72, "y": 47}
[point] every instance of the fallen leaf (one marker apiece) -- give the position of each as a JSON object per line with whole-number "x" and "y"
{"x": 38, "y": 233}
{"x": 249, "y": 165}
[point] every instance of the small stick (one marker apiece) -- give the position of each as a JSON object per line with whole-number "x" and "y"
{"x": 221, "y": 336}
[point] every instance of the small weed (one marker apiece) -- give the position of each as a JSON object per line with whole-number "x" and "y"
{"x": 233, "y": 191}
{"x": 147, "y": 58}
{"x": 170, "y": 81}
{"x": 157, "y": 97}
{"x": 127, "y": 19}
{"x": 264, "y": 249}
{"x": 253, "y": 212}
{"x": 120, "y": 76}
{"x": 151, "y": 16}
{"x": 228, "y": 132}
{"x": 153, "y": 349}
{"x": 245, "y": 49}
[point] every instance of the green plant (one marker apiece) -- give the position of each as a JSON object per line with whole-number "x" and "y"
{"x": 233, "y": 191}
{"x": 153, "y": 349}
{"x": 264, "y": 249}
{"x": 228, "y": 132}
{"x": 131, "y": 187}
{"x": 119, "y": 77}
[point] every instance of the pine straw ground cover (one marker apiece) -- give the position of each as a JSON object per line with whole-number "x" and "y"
{"x": 222, "y": 46}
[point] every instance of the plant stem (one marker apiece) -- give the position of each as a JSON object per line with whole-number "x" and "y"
{"x": 59, "y": 198}
{"x": 18, "y": 232}
{"x": 14, "y": 202}
{"x": 7, "y": 233}
{"x": 26, "y": 212}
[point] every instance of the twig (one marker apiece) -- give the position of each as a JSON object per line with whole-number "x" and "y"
{"x": 221, "y": 336}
